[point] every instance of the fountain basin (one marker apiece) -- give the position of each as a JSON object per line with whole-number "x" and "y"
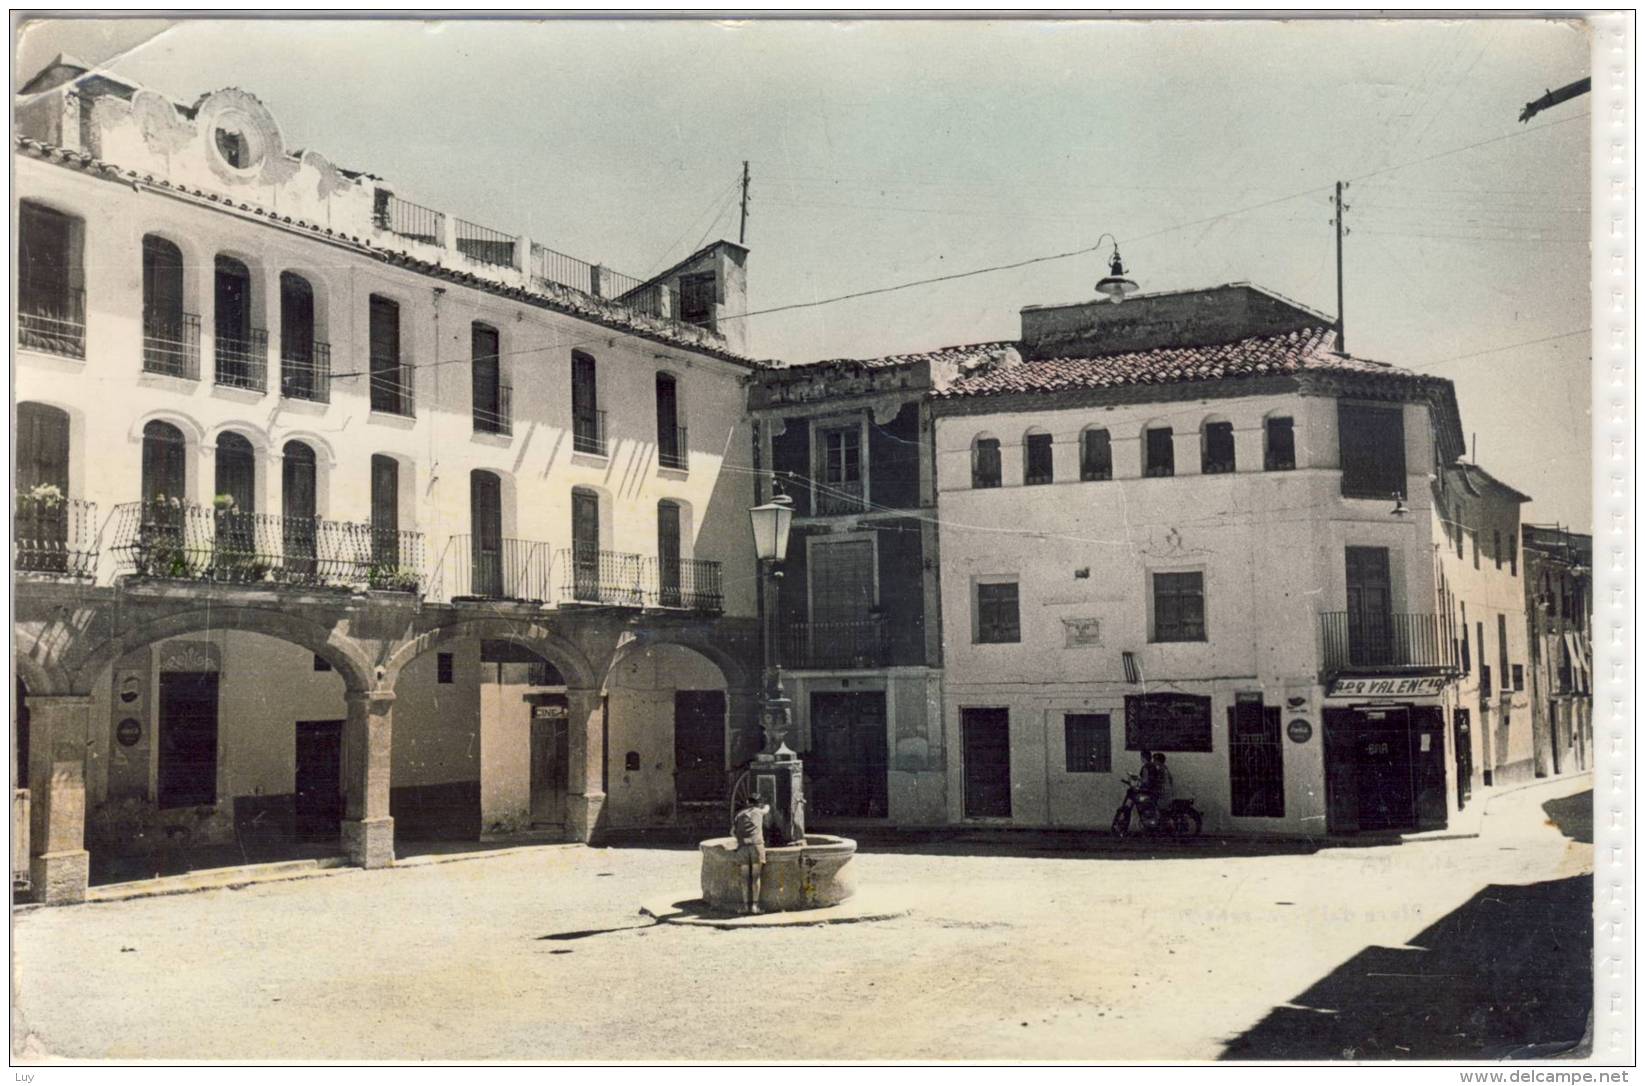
{"x": 814, "y": 875}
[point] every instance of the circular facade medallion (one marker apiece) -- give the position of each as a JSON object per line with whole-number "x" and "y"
{"x": 1299, "y": 730}
{"x": 129, "y": 731}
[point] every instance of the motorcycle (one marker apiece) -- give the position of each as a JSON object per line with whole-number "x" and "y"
{"x": 1180, "y": 818}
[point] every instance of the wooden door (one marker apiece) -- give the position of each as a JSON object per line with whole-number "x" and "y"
{"x": 585, "y": 545}
{"x": 1256, "y": 760}
{"x": 298, "y": 501}
{"x": 188, "y": 738}
{"x": 486, "y": 522}
{"x": 987, "y": 754}
{"x": 385, "y": 511}
{"x": 846, "y": 766}
{"x": 1341, "y": 771}
{"x": 1370, "y": 607}
{"x": 319, "y": 780}
{"x": 668, "y": 554}
{"x": 1387, "y": 796}
{"x": 699, "y": 746}
{"x": 487, "y": 378}
{"x": 550, "y": 759}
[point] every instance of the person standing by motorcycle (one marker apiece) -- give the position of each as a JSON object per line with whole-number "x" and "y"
{"x": 1148, "y": 777}
{"x": 1165, "y": 789}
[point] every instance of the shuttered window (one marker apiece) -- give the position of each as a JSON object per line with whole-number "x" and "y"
{"x": 1372, "y": 444}
{"x": 1096, "y": 456}
{"x": 1160, "y": 458}
{"x": 985, "y": 464}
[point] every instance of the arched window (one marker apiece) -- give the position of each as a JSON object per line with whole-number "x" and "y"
{"x": 1159, "y": 456}
{"x": 669, "y": 581}
{"x": 298, "y": 506}
{"x": 242, "y": 348}
{"x": 1279, "y": 443}
{"x": 492, "y": 414}
{"x": 985, "y": 463}
{"x": 171, "y": 336}
{"x": 1216, "y": 455}
{"x": 305, "y": 362}
{"x": 671, "y": 446}
{"x": 51, "y": 299}
{"x": 236, "y": 473}
{"x": 485, "y": 508}
{"x": 1096, "y": 455}
{"x": 164, "y": 463}
{"x": 1037, "y": 466}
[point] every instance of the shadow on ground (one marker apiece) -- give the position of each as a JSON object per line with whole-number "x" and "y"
{"x": 1508, "y": 974}
{"x": 1573, "y": 816}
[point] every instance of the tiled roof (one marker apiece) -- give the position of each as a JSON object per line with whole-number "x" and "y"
{"x": 1308, "y": 350}
{"x": 942, "y": 356}
{"x": 564, "y": 300}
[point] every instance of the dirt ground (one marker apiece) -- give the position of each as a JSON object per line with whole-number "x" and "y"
{"x": 1441, "y": 949}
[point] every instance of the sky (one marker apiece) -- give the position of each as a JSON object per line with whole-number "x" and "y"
{"x": 885, "y": 152}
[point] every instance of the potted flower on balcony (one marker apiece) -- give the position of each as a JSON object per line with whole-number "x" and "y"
{"x": 392, "y": 578}
{"x": 42, "y": 529}
{"x": 160, "y": 550}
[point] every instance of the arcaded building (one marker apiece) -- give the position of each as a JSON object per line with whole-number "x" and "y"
{"x": 345, "y": 521}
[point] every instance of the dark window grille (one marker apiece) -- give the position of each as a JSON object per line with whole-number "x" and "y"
{"x": 1256, "y": 770}
{"x": 985, "y": 464}
{"x": 997, "y": 616}
{"x": 1037, "y": 469}
{"x": 1217, "y": 452}
{"x": 1096, "y": 456}
{"x": 1280, "y": 445}
{"x": 1160, "y": 453}
{"x": 51, "y": 301}
{"x": 1179, "y": 607}
{"x": 1087, "y": 744}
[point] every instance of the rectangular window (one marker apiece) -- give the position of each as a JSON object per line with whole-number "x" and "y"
{"x": 385, "y": 512}
{"x": 1086, "y": 744}
{"x": 1160, "y": 456}
{"x": 1280, "y": 445}
{"x": 1036, "y": 467}
{"x": 1473, "y": 538}
{"x": 1484, "y": 680}
{"x": 1217, "y": 453}
{"x": 1467, "y": 662}
{"x": 390, "y": 381}
{"x": 997, "y": 614}
{"x": 1502, "y": 646}
{"x": 1179, "y": 607}
{"x": 1372, "y": 444}
{"x": 1457, "y": 515}
{"x": 842, "y": 455}
{"x": 587, "y": 420}
{"x": 1168, "y": 722}
{"x": 1519, "y": 676}
{"x": 489, "y": 411}
{"x": 985, "y": 464}
{"x": 1513, "y": 554}
{"x": 444, "y": 666}
{"x": 1496, "y": 547}
{"x": 1096, "y": 456}
{"x": 697, "y": 299}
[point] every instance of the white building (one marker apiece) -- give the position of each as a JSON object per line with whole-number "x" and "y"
{"x": 1185, "y": 524}
{"x": 339, "y": 509}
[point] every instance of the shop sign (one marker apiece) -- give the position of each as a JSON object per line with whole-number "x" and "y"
{"x": 1299, "y": 730}
{"x": 1421, "y": 686}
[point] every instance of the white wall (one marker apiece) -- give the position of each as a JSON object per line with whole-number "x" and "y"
{"x": 640, "y": 715}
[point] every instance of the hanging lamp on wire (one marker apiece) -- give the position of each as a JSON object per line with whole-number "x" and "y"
{"x": 1115, "y": 284}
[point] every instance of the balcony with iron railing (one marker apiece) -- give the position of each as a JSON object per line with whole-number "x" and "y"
{"x": 609, "y": 578}
{"x": 837, "y": 499}
{"x": 54, "y": 535}
{"x": 674, "y": 449}
{"x": 305, "y": 371}
{"x": 411, "y": 221}
{"x": 242, "y": 358}
{"x": 1354, "y": 640}
{"x": 171, "y": 540}
{"x": 171, "y": 344}
{"x": 496, "y": 417}
{"x": 51, "y": 320}
{"x": 507, "y": 569}
{"x": 588, "y": 433}
{"x": 392, "y": 388}
{"x": 484, "y": 245}
{"x": 690, "y": 584}
{"x": 843, "y": 645}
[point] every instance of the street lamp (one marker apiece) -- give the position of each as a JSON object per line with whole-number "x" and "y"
{"x": 1115, "y": 284}
{"x": 775, "y": 772}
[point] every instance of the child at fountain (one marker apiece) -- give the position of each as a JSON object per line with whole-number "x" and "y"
{"x": 749, "y": 828}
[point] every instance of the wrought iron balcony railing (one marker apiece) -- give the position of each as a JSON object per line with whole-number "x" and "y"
{"x": 55, "y": 535}
{"x": 171, "y": 344}
{"x": 835, "y": 499}
{"x": 305, "y": 371}
{"x": 511, "y": 569}
{"x": 51, "y": 319}
{"x": 691, "y": 584}
{"x": 861, "y": 643}
{"x": 392, "y": 388}
{"x": 411, "y": 221}
{"x": 242, "y": 358}
{"x": 673, "y": 449}
{"x": 485, "y": 245}
{"x": 496, "y": 417}
{"x": 588, "y": 433}
{"x": 602, "y": 577}
{"x": 179, "y": 541}
{"x": 1356, "y": 639}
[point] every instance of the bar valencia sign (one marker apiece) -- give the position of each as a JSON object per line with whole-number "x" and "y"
{"x": 1390, "y": 686}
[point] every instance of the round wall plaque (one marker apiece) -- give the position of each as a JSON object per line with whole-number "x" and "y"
{"x": 1299, "y": 730}
{"x": 129, "y": 731}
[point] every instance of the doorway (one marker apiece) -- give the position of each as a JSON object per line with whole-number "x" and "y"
{"x": 1256, "y": 767}
{"x": 1463, "y": 745}
{"x": 846, "y": 767}
{"x": 699, "y": 746}
{"x": 550, "y": 758}
{"x": 1370, "y": 607}
{"x": 188, "y": 739}
{"x": 318, "y": 805}
{"x": 987, "y": 754}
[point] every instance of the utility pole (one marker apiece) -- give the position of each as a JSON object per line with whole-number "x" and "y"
{"x": 742, "y": 227}
{"x": 1342, "y": 341}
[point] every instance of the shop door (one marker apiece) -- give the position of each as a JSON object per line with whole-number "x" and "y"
{"x": 188, "y": 738}
{"x": 550, "y": 761}
{"x": 987, "y": 753}
{"x": 1387, "y": 798}
{"x": 846, "y": 768}
{"x": 319, "y": 780}
{"x": 699, "y": 746}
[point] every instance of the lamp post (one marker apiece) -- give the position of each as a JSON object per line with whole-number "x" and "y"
{"x": 775, "y": 772}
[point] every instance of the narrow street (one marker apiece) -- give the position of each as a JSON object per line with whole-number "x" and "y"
{"x": 1448, "y": 949}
